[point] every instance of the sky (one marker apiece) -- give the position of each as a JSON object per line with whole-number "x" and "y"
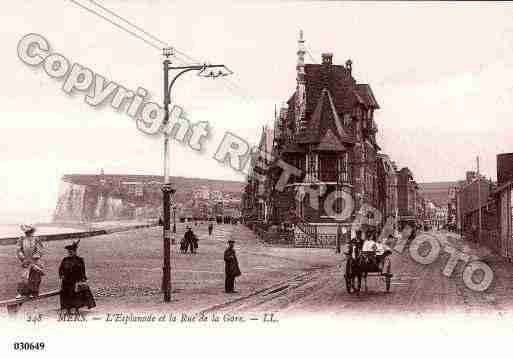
{"x": 441, "y": 72}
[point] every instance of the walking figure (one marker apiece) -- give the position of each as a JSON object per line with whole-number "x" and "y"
{"x": 210, "y": 229}
{"x": 29, "y": 252}
{"x": 189, "y": 241}
{"x": 232, "y": 269}
{"x": 75, "y": 292}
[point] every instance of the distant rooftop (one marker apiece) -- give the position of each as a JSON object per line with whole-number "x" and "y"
{"x": 437, "y": 192}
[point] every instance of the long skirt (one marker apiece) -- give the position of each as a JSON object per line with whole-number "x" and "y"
{"x": 72, "y": 299}
{"x": 30, "y": 286}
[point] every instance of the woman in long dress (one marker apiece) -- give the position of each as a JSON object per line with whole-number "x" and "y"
{"x": 29, "y": 252}
{"x": 74, "y": 291}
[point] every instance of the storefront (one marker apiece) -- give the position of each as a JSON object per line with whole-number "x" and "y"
{"x": 505, "y": 195}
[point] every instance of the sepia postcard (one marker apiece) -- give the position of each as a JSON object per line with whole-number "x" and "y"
{"x": 249, "y": 178}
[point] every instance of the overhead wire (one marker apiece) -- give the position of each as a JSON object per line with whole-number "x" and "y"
{"x": 115, "y": 24}
{"x": 166, "y": 44}
{"x": 234, "y": 87}
{"x": 128, "y": 22}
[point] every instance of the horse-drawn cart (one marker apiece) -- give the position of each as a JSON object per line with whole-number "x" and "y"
{"x": 360, "y": 265}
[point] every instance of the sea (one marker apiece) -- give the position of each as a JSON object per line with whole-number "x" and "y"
{"x": 13, "y": 230}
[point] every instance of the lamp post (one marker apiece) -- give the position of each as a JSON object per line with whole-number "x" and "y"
{"x": 174, "y": 221}
{"x": 204, "y": 70}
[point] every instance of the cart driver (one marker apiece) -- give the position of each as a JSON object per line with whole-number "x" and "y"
{"x": 369, "y": 245}
{"x": 369, "y": 249}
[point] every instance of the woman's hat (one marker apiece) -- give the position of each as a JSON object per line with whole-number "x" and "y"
{"x": 73, "y": 246}
{"x": 27, "y": 228}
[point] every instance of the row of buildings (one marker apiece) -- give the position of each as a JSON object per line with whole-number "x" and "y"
{"x": 327, "y": 132}
{"x": 482, "y": 210}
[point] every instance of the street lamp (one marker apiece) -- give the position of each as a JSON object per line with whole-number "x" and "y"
{"x": 174, "y": 221}
{"x": 204, "y": 70}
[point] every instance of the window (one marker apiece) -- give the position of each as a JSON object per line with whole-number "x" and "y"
{"x": 328, "y": 167}
{"x": 347, "y": 119}
{"x": 299, "y": 204}
{"x": 312, "y": 167}
{"x": 138, "y": 191}
{"x": 343, "y": 168}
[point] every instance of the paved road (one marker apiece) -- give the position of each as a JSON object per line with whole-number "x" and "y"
{"x": 124, "y": 270}
{"x": 416, "y": 288}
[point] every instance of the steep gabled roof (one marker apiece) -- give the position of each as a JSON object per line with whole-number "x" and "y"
{"x": 323, "y": 118}
{"x": 365, "y": 96}
{"x": 330, "y": 142}
{"x": 336, "y": 78}
{"x": 386, "y": 163}
{"x": 266, "y": 140}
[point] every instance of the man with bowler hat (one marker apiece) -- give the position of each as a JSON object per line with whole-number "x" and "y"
{"x": 232, "y": 269}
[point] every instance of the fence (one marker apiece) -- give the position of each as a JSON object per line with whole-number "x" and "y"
{"x": 302, "y": 235}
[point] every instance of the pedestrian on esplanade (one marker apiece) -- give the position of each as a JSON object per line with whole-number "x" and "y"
{"x": 29, "y": 252}
{"x": 75, "y": 292}
{"x": 190, "y": 240}
{"x": 231, "y": 268}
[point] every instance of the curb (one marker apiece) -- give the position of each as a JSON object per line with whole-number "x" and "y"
{"x": 73, "y": 235}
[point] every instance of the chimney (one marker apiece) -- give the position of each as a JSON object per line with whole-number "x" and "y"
{"x": 504, "y": 168}
{"x": 349, "y": 66}
{"x": 327, "y": 58}
{"x": 470, "y": 176}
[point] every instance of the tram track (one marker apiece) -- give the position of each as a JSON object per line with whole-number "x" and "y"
{"x": 273, "y": 292}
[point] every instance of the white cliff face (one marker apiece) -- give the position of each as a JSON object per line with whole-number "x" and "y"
{"x": 114, "y": 208}
{"x": 98, "y": 210}
{"x": 89, "y": 203}
{"x": 70, "y": 202}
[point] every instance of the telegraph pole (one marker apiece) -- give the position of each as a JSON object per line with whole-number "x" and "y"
{"x": 479, "y": 199}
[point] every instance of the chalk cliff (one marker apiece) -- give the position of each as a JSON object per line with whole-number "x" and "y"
{"x": 89, "y": 198}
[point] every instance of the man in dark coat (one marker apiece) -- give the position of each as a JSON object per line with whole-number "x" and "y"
{"x": 72, "y": 272}
{"x": 190, "y": 240}
{"x": 232, "y": 269}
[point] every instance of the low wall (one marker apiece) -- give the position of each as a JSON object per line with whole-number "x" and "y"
{"x": 75, "y": 235}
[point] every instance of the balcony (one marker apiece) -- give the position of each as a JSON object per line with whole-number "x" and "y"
{"x": 327, "y": 176}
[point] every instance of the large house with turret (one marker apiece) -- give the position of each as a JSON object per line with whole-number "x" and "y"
{"x": 327, "y": 132}
{"x": 319, "y": 171}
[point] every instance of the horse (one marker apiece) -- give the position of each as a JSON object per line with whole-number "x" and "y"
{"x": 352, "y": 268}
{"x": 359, "y": 264}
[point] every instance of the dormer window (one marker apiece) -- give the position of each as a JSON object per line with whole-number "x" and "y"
{"x": 347, "y": 119}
